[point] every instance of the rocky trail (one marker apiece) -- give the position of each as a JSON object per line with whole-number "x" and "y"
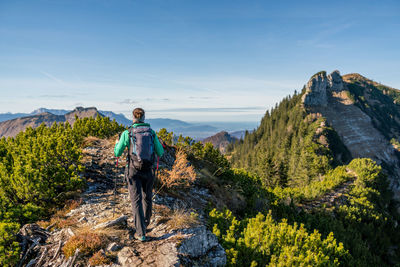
{"x": 335, "y": 197}
{"x": 177, "y": 235}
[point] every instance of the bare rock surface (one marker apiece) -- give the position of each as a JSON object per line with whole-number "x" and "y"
{"x": 120, "y": 221}
{"x": 101, "y": 211}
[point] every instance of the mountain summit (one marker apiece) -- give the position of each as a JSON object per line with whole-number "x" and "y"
{"x": 360, "y": 118}
{"x": 330, "y": 154}
{"x": 364, "y": 113}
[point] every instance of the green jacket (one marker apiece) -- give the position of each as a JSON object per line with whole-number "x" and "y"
{"x": 124, "y": 142}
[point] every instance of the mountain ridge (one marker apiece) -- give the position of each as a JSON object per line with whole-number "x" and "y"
{"x": 355, "y": 125}
{"x": 329, "y": 153}
{"x": 12, "y": 127}
{"x": 196, "y": 130}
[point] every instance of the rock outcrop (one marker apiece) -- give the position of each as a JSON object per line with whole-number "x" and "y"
{"x": 316, "y": 90}
{"x": 320, "y": 86}
{"x": 169, "y": 243}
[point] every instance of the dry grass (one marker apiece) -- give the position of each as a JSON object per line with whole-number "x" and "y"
{"x": 69, "y": 205}
{"x": 90, "y": 141}
{"x": 59, "y": 220}
{"x": 62, "y": 223}
{"x": 105, "y": 232}
{"x": 87, "y": 243}
{"x": 99, "y": 259}
{"x": 182, "y": 219}
{"x": 182, "y": 173}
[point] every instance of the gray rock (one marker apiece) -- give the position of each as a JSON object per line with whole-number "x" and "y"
{"x": 217, "y": 257}
{"x": 167, "y": 255}
{"x": 33, "y": 232}
{"x": 199, "y": 242}
{"x": 82, "y": 220}
{"x": 117, "y": 222}
{"x": 69, "y": 232}
{"x": 113, "y": 247}
{"x": 128, "y": 257}
{"x": 335, "y": 81}
{"x": 320, "y": 86}
{"x": 316, "y": 90}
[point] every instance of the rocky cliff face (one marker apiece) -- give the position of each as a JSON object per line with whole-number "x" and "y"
{"x": 320, "y": 86}
{"x": 331, "y": 96}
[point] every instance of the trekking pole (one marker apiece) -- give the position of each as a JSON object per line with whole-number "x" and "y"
{"x": 156, "y": 174}
{"x": 157, "y": 171}
{"x": 115, "y": 185}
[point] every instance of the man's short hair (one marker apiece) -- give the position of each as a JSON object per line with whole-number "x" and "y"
{"x": 138, "y": 114}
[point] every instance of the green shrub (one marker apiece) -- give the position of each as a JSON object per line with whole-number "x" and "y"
{"x": 9, "y": 247}
{"x": 261, "y": 241}
{"x": 37, "y": 168}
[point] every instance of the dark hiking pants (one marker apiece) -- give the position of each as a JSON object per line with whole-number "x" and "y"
{"x": 140, "y": 185}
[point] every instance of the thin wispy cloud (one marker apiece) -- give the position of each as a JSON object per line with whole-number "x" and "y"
{"x": 200, "y": 97}
{"x": 127, "y": 101}
{"x": 216, "y": 109}
{"x": 321, "y": 39}
{"x": 54, "y": 96}
{"x": 220, "y": 85}
{"x": 52, "y": 77}
{"x": 153, "y": 99}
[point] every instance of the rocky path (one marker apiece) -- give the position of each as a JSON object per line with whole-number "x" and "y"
{"x": 177, "y": 234}
{"x": 333, "y": 198}
{"x": 337, "y": 196}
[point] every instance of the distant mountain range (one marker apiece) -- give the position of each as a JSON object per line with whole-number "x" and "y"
{"x": 12, "y": 123}
{"x": 13, "y": 126}
{"x": 9, "y": 116}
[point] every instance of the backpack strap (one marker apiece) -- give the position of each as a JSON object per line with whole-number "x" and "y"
{"x": 132, "y": 138}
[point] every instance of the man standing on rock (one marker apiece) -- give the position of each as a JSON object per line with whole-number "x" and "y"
{"x": 143, "y": 144}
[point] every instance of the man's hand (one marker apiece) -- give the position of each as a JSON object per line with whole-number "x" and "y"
{"x": 116, "y": 140}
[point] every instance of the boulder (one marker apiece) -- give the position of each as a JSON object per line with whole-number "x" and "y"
{"x": 113, "y": 247}
{"x": 199, "y": 242}
{"x": 121, "y": 221}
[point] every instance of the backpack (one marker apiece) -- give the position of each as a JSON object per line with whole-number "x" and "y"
{"x": 141, "y": 149}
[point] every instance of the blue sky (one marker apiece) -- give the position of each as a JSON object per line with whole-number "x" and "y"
{"x": 191, "y": 60}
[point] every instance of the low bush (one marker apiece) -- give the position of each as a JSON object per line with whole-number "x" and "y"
{"x": 262, "y": 241}
{"x": 182, "y": 219}
{"x": 99, "y": 259}
{"x": 87, "y": 243}
{"x": 9, "y": 247}
{"x": 182, "y": 173}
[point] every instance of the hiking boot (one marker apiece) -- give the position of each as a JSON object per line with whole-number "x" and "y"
{"x": 141, "y": 238}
